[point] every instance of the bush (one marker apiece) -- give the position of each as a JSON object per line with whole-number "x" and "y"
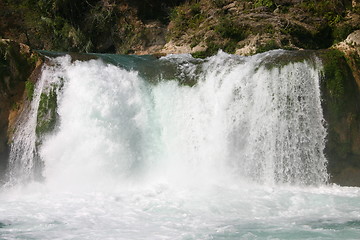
{"x": 185, "y": 17}
{"x": 341, "y": 32}
{"x": 229, "y": 29}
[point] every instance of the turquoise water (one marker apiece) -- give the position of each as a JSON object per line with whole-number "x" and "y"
{"x": 159, "y": 212}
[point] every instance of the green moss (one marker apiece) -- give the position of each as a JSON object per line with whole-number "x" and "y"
{"x": 333, "y": 73}
{"x": 288, "y": 57}
{"x": 29, "y": 89}
{"x": 46, "y": 117}
{"x": 336, "y": 75}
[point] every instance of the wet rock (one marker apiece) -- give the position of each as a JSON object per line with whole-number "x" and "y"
{"x": 17, "y": 63}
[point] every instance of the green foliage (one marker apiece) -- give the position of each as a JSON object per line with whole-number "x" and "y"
{"x": 269, "y": 45}
{"x": 199, "y": 54}
{"x": 332, "y": 11}
{"x": 64, "y": 35}
{"x": 187, "y": 16}
{"x": 264, "y": 3}
{"x": 229, "y": 29}
{"x": 341, "y": 32}
{"x": 54, "y": 24}
{"x": 29, "y": 89}
{"x": 230, "y": 47}
{"x": 195, "y": 41}
{"x": 269, "y": 28}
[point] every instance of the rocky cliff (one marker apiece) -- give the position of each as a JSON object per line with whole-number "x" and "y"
{"x": 17, "y": 78}
{"x": 176, "y": 26}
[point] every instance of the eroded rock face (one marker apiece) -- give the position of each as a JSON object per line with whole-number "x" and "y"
{"x": 17, "y": 63}
{"x": 341, "y": 106}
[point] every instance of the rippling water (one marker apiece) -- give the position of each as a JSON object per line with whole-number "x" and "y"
{"x": 162, "y": 212}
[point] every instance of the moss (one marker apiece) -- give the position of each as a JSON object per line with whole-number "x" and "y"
{"x": 333, "y": 74}
{"x": 29, "y": 89}
{"x": 341, "y": 110}
{"x": 336, "y": 81}
{"x": 287, "y": 57}
{"x": 46, "y": 117}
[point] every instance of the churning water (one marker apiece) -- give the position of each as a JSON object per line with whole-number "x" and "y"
{"x": 177, "y": 148}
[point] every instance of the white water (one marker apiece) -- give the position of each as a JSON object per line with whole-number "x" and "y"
{"x": 237, "y": 156}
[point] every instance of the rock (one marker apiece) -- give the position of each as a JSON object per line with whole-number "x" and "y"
{"x": 173, "y": 48}
{"x": 17, "y": 63}
{"x": 229, "y": 6}
{"x": 351, "y": 48}
{"x": 353, "y": 39}
{"x": 341, "y": 110}
{"x": 348, "y": 177}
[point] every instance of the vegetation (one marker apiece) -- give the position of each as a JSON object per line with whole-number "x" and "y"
{"x": 46, "y": 117}
{"x": 120, "y": 26}
{"x": 338, "y": 83}
{"x": 228, "y": 28}
{"x": 264, "y": 3}
{"x": 29, "y": 89}
{"x": 270, "y": 45}
{"x": 333, "y": 73}
{"x": 187, "y": 16}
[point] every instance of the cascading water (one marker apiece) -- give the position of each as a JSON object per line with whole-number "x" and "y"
{"x": 241, "y": 119}
{"x": 177, "y": 148}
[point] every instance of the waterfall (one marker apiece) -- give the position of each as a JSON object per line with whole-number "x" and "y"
{"x": 187, "y": 121}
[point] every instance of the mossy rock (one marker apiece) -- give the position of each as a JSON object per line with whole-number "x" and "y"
{"x": 341, "y": 108}
{"x": 337, "y": 83}
{"x": 47, "y": 115}
{"x": 286, "y": 57}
